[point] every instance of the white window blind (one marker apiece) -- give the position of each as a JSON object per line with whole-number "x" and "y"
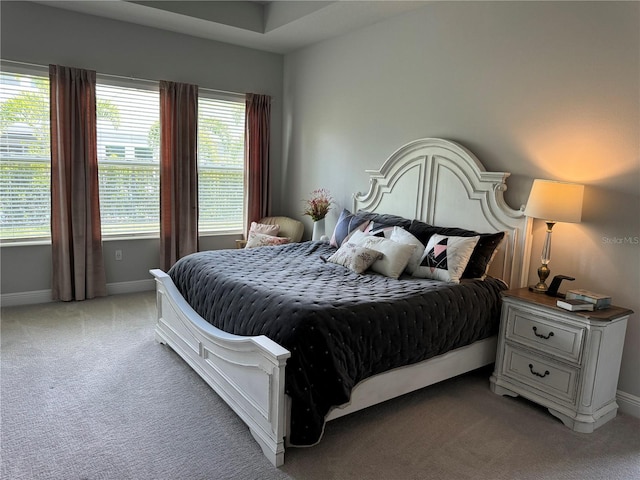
{"x": 220, "y": 164}
{"x": 128, "y": 159}
{"x": 25, "y": 161}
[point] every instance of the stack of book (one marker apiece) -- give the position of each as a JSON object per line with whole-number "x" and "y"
{"x": 580, "y": 299}
{"x": 575, "y": 305}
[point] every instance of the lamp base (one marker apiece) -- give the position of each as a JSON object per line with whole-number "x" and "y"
{"x": 543, "y": 274}
{"x": 539, "y": 288}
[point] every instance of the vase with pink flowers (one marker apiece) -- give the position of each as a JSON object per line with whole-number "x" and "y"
{"x": 317, "y": 207}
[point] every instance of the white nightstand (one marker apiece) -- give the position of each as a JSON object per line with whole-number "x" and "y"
{"x": 567, "y": 361}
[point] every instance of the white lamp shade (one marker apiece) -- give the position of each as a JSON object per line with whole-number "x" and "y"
{"x": 555, "y": 201}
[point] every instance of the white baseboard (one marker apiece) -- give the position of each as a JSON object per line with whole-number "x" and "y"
{"x": 628, "y": 404}
{"x": 44, "y": 296}
{"x": 25, "y": 298}
{"x": 131, "y": 287}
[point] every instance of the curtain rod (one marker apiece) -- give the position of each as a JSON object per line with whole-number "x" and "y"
{"x": 26, "y": 64}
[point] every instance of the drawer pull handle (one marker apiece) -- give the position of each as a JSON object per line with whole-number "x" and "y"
{"x": 541, "y": 375}
{"x": 540, "y": 335}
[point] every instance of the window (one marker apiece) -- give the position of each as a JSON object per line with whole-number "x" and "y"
{"x": 128, "y": 159}
{"x": 220, "y": 164}
{"x": 25, "y": 160}
{"x": 128, "y": 144}
{"x": 114, "y": 152}
{"x": 144, "y": 154}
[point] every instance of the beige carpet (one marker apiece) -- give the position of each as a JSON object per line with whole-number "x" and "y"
{"x": 86, "y": 393}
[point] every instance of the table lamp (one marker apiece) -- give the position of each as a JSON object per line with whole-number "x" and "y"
{"x": 553, "y": 202}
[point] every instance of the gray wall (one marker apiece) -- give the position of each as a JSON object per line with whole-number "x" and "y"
{"x": 539, "y": 89}
{"x": 42, "y": 35}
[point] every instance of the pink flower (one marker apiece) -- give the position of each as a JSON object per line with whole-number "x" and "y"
{"x": 318, "y": 205}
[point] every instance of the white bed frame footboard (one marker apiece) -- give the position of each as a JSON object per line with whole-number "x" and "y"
{"x": 434, "y": 180}
{"x": 247, "y": 372}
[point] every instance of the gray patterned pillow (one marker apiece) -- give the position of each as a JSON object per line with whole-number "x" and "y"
{"x": 354, "y": 257}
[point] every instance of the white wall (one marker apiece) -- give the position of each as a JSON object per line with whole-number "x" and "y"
{"x": 42, "y": 35}
{"x": 539, "y": 89}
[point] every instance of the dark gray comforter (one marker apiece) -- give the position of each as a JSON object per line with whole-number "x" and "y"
{"x": 340, "y": 327}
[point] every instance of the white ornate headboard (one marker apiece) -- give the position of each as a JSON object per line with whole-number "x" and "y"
{"x": 442, "y": 183}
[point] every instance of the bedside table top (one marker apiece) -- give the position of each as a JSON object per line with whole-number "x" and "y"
{"x": 604, "y": 315}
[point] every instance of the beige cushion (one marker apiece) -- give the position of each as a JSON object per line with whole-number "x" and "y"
{"x": 289, "y": 227}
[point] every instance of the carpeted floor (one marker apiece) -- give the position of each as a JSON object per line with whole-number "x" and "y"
{"x": 86, "y": 393}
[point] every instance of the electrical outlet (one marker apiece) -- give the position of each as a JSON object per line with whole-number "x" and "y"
{"x": 118, "y": 254}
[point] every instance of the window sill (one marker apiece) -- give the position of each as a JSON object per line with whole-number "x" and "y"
{"x": 127, "y": 238}
{"x": 24, "y": 243}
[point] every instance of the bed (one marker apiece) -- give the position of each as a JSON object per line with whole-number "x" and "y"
{"x": 271, "y": 375}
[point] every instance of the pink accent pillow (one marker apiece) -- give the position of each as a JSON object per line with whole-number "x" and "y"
{"x": 445, "y": 257}
{"x": 264, "y": 229}
{"x": 262, "y": 240}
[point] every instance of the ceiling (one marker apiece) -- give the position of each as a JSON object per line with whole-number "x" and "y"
{"x": 277, "y": 26}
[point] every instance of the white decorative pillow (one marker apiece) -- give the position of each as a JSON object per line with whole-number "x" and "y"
{"x": 445, "y": 258}
{"x": 262, "y": 240}
{"x": 264, "y": 229}
{"x": 357, "y": 236}
{"x": 395, "y": 256}
{"x": 400, "y": 235}
{"x": 379, "y": 230}
{"x": 354, "y": 257}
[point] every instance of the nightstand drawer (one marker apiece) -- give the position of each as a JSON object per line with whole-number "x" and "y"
{"x": 560, "y": 339}
{"x": 545, "y": 375}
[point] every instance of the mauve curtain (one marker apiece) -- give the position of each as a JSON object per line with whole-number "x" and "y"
{"x": 256, "y": 158}
{"x": 76, "y": 242}
{"x": 178, "y": 172}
